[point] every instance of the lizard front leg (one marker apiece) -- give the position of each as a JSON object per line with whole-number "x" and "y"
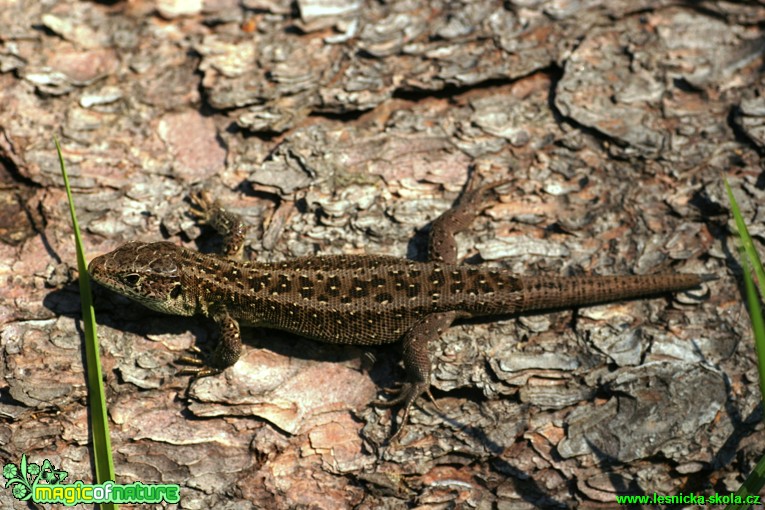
{"x": 226, "y": 352}
{"x": 229, "y": 225}
{"x": 233, "y": 229}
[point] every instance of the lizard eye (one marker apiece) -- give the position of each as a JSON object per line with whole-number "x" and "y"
{"x": 131, "y": 279}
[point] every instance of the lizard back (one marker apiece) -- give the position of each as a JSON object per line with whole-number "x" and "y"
{"x": 349, "y": 299}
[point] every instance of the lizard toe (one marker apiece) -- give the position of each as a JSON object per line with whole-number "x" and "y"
{"x": 202, "y": 205}
{"x": 405, "y": 394}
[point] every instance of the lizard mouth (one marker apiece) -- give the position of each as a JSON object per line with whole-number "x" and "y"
{"x": 110, "y": 268}
{"x": 96, "y": 268}
{"x": 110, "y": 273}
{"x": 99, "y": 271}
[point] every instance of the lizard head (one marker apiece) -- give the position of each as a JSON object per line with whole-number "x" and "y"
{"x": 145, "y": 272}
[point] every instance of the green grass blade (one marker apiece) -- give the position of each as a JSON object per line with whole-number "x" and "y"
{"x": 750, "y": 262}
{"x": 102, "y": 448}
{"x": 751, "y": 486}
{"x": 756, "y": 479}
{"x": 755, "y": 316}
{"x": 746, "y": 239}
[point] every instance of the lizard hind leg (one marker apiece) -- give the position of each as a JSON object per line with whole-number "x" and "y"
{"x": 417, "y": 364}
{"x": 442, "y": 245}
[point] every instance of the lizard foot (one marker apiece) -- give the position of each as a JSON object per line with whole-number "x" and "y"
{"x": 479, "y": 196}
{"x": 200, "y": 368}
{"x": 202, "y": 206}
{"x": 405, "y": 394}
{"x": 232, "y": 227}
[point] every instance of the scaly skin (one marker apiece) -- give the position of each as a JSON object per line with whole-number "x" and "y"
{"x": 351, "y": 299}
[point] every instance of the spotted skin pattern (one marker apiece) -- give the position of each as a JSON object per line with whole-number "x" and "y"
{"x": 350, "y": 299}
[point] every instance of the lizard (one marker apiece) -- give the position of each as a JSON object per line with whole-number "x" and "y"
{"x": 359, "y": 300}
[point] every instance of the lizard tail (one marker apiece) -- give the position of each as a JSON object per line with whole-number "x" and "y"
{"x": 540, "y": 293}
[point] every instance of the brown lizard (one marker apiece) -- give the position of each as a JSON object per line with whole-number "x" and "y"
{"x": 351, "y": 299}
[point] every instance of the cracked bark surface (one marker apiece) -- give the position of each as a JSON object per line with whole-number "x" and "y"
{"x": 339, "y": 126}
